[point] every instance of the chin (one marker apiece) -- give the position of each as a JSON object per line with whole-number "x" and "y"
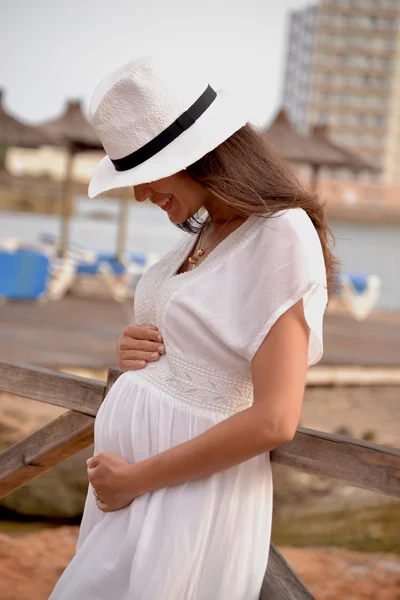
{"x": 174, "y": 218}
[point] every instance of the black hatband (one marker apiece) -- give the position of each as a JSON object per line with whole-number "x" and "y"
{"x": 167, "y": 136}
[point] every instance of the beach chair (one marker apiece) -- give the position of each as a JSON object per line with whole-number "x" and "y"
{"x": 359, "y": 293}
{"x": 24, "y": 275}
{"x": 93, "y": 267}
{"x": 121, "y": 278}
{"x": 104, "y": 274}
{"x": 27, "y": 274}
{"x": 63, "y": 271}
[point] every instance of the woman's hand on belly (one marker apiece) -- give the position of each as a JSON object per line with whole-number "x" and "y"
{"x": 111, "y": 479}
{"x": 139, "y": 345}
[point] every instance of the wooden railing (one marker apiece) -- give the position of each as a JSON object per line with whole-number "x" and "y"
{"x": 350, "y": 461}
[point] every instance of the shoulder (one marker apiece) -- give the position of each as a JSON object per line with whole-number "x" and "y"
{"x": 288, "y": 236}
{"x": 294, "y": 222}
{"x": 283, "y": 230}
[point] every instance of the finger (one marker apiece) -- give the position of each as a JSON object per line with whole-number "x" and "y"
{"x": 143, "y": 333}
{"x": 129, "y": 344}
{"x": 132, "y": 365}
{"x": 139, "y": 355}
{"x": 152, "y": 333}
{"x": 92, "y": 462}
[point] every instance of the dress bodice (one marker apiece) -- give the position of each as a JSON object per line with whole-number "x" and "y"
{"x": 207, "y": 380}
{"x": 214, "y": 317}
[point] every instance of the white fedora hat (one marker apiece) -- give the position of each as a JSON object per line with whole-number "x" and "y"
{"x": 155, "y": 116}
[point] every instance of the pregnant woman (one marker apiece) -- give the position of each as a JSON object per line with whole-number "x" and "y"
{"x": 180, "y": 498}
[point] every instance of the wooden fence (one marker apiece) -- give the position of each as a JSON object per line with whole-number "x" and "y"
{"x": 350, "y": 461}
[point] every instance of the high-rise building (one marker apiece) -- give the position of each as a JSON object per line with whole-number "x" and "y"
{"x": 300, "y": 53}
{"x": 343, "y": 70}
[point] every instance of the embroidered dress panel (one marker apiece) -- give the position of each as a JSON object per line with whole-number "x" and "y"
{"x": 200, "y": 386}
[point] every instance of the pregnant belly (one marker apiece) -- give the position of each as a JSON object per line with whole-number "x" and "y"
{"x": 136, "y": 420}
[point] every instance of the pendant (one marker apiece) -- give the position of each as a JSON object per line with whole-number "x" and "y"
{"x": 193, "y": 260}
{"x": 200, "y": 252}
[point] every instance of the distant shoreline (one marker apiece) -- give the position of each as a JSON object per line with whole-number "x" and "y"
{"x": 42, "y": 195}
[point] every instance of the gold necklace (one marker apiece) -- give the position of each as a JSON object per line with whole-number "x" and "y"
{"x": 201, "y": 251}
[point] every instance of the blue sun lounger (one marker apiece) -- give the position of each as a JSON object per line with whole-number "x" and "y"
{"x": 24, "y": 275}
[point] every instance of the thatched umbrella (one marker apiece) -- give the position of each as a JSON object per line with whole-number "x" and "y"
{"x": 78, "y": 135}
{"x": 75, "y": 133}
{"x": 315, "y": 150}
{"x": 16, "y": 133}
{"x": 73, "y": 129}
{"x": 351, "y": 160}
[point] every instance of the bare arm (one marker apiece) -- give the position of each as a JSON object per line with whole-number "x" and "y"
{"x": 279, "y": 373}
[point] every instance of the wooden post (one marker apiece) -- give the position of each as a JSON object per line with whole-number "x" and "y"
{"x": 314, "y": 178}
{"x": 126, "y": 196}
{"x": 67, "y": 203}
{"x": 3, "y": 154}
{"x": 112, "y": 377}
{"x": 280, "y": 581}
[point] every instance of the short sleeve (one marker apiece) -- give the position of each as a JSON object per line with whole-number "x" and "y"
{"x": 280, "y": 264}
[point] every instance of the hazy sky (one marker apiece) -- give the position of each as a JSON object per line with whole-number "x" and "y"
{"x": 56, "y": 49}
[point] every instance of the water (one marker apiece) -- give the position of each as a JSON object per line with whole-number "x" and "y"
{"x": 149, "y": 229}
{"x": 361, "y": 248}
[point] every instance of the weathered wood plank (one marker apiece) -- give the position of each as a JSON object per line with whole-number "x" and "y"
{"x": 43, "y": 449}
{"x": 361, "y": 464}
{"x": 48, "y": 446}
{"x": 77, "y": 393}
{"x": 357, "y": 463}
{"x": 280, "y": 581}
{"x": 112, "y": 377}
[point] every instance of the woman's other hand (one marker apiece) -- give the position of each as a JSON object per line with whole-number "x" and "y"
{"x": 111, "y": 481}
{"x": 139, "y": 345}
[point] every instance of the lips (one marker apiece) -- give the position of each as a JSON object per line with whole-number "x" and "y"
{"x": 167, "y": 205}
{"x": 164, "y": 203}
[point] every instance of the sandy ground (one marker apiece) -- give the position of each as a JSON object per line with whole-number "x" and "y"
{"x": 30, "y": 566}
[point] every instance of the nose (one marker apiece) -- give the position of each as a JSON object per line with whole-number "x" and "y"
{"x": 141, "y": 192}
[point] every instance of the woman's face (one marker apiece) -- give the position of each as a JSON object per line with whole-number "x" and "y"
{"x": 187, "y": 196}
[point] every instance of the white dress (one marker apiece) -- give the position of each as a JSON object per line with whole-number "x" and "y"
{"x": 206, "y": 539}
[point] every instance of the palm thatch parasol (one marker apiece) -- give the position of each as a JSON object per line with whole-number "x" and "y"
{"x": 351, "y": 160}
{"x": 75, "y": 133}
{"x": 315, "y": 150}
{"x": 72, "y": 129}
{"x": 16, "y": 133}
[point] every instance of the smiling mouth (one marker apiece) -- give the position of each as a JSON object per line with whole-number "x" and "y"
{"x": 165, "y": 203}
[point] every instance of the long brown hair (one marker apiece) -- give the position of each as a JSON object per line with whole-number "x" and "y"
{"x": 250, "y": 177}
